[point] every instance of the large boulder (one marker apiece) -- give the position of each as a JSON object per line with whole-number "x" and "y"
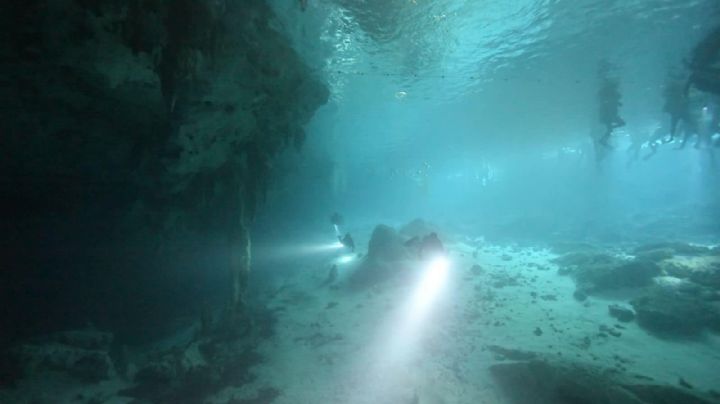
{"x": 621, "y": 313}
{"x": 674, "y": 311}
{"x": 387, "y": 255}
{"x": 386, "y": 245}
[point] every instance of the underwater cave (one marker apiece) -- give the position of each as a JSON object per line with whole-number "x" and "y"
{"x": 360, "y": 201}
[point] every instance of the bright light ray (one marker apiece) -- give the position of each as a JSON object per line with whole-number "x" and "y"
{"x": 345, "y": 259}
{"x": 399, "y": 342}
{"x": 294, "y": 251}
{"x": 316, "y": 248}
{"x": 427, "y": 290}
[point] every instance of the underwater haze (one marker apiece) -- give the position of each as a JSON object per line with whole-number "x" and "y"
{"x": 360, "y": 201}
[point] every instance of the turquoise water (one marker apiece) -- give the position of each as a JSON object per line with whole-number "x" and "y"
{"x": 360, "y": 201}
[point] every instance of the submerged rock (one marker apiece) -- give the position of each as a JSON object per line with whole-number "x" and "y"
{"x": 162, "y": 120}
{"x": 572, "y": 247}
{"x": 709, "y": 276}
{"x": 621, "y": 313}
{"x": 577, "y": 259}
{"x": 556, "y": 382}
{"x": 386, "y": 250}
{"x": 386, "y": 245}
{"x": 656, "y": 255}
{"x": 675, "y": 269}
{"x": 674, "y": 312}
{"x": 580, "y": 296}
{"x": 598, "y": 272}
{"x": 676, "y": 248}
{"x": 82, "y": 354}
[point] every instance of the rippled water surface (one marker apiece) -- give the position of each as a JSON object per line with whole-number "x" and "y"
{"x": 520, "y": 71}
{"x": 466, "y": 44}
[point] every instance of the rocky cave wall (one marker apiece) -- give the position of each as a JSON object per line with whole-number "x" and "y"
{"x": 136, "y": 138}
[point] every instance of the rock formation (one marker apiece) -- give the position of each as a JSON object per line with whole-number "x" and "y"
{"x": 133, "y": 129}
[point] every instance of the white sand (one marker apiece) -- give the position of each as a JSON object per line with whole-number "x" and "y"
{"x": 338, "y": 345}
{"x": 359, "y": 351}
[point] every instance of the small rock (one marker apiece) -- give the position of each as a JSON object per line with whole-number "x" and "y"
{"x": 609, "y": 330}
{"x": 579, "y": 295}
{"x": 621, "y": 313}
{"x": 683, "y": 383}
{"x": 332, "y": 275}
{"x": 538, "y": 332}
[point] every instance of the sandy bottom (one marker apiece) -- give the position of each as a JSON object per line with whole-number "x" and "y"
{"x": 423, "y": 338}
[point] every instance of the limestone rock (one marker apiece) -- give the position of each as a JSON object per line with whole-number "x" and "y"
{"x": 386, "y": 257}
{"x": 597, "y": 272}
{"x": 386, "y": 245}
{"x": 709, "y": 276}
{"x": 672, "y": 311}
{"x": 621, "y": 313}
{"x": 656, "y": 255}
{"x": 142, "y": 124}
{"x": 676, "y": 248}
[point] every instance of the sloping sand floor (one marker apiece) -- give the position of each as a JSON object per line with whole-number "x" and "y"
{"x": 335, "y": 345}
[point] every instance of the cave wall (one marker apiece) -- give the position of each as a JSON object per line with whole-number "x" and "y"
{"x": 133, "y": 135}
